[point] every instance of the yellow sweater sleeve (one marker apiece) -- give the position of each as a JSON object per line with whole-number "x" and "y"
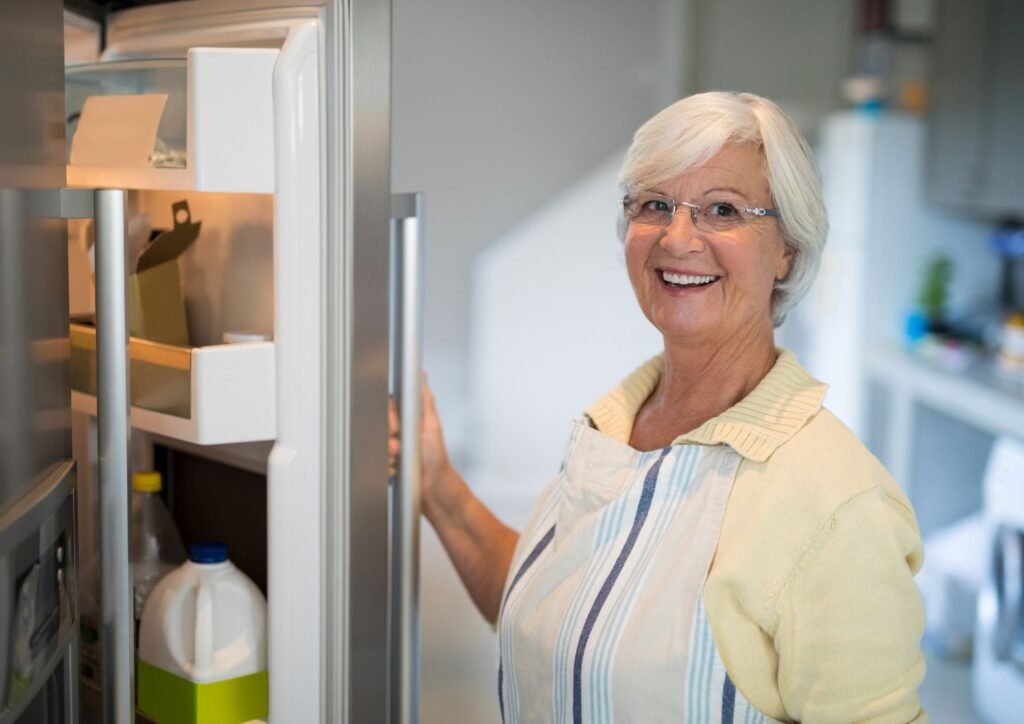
{"x": 850, "y": 618}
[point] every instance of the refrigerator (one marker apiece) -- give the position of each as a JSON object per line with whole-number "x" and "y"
{"x": 266, "y": 125}
{"x": 38, "y": 638}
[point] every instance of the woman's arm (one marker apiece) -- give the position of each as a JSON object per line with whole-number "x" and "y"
{"x": 479, "y": 545}
{"x": 851, "y": 618}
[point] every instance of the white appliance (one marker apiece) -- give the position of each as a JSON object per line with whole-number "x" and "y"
{"x": 882, "y": 232}
{"x": 275, "y": 129}
{"x": 998, "y": 673}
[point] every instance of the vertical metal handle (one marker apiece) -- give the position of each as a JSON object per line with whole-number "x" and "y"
{"x": 406, "y": 380}
{"x": 1008, "y": 573}
{"x": 112, "y": 410}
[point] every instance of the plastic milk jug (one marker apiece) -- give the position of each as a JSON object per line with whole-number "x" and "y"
{"x": 203, "y": 644}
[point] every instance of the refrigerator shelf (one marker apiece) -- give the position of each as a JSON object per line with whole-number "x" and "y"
{"x": 204, "y": 395}
{"x": 204, "y": 123}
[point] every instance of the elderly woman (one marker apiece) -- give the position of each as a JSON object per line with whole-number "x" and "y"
{"x": 718, "y": 547}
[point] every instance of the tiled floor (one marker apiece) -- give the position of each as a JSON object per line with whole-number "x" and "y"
{"x": 946, "y": 692}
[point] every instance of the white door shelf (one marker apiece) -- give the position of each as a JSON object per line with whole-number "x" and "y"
{"x": 977, "y": 396}
{"x": 215, "y": 131}
{"x": 204, "y": 395}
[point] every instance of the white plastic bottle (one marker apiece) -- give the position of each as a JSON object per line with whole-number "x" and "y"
{"x": 203, "y": 644}
{"x": 156, "y": 548}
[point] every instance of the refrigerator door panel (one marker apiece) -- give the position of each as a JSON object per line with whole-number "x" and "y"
{"x": 39, "y": 635}
{"x": 37, "y": 595}
{"x": 35, "y": 378}
{"x": 295, "y": 470}
{"x": 357, "y": 193}
{"x": 35, "y": 414}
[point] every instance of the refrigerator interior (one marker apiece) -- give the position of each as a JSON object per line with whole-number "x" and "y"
{"x": 214, "y": 492}
{"x": 238, "y": 429}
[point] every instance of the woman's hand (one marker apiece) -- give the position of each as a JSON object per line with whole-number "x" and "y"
{"x": 439, "y": 482}
{"x": 394, "y": 444}
{"x": 479, "y": 545}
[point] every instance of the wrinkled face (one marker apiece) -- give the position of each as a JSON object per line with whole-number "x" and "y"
{"x": 697, "y": 286}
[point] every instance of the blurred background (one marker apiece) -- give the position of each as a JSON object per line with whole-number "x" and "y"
{"x": 513, "y": 119}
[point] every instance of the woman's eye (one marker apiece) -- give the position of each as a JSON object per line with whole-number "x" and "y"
{"x": 722, "y": 210}
{"x": 655, "y": 205}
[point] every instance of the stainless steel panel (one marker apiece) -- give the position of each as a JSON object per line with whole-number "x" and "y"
{"x": 35, "y": 412}
{"x": 357, "y": 103}
{"x": 38, "y": 641}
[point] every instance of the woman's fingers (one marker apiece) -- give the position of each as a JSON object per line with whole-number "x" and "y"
{"x": 394, "y": 446}
{"x": 431, "y": 421}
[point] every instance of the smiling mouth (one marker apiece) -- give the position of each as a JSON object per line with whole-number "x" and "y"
{"x": 687, "y": 281}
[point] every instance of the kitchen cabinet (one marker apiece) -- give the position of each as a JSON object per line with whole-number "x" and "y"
{"x": 1006, "y": 145}
{"x": 975, "y": 148}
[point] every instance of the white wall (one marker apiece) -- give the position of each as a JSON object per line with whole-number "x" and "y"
{"x": 555, "y": 325}
{"x": 795, "y": 52}
{"x": 497, "y": 107}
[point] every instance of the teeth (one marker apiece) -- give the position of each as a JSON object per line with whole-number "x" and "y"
{"x": 686, "y": 279}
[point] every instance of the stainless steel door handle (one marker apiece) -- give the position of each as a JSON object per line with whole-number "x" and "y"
{"x": 1008, "y": 564}
{"x": 406, "y": 385}
{"x": 106, "y": 206}
{"x": 112, "y": 411}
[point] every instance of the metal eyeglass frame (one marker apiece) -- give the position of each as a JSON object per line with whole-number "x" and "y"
{"x": 756, "y": 211}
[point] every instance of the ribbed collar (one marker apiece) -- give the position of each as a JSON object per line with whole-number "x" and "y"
{"x": 754, "y": 427}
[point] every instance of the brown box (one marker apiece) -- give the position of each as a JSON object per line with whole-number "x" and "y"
{"x": 156, "y": 308}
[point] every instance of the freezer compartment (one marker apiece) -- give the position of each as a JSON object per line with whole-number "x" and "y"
{"x": 204, "y": 123}
{"x": 38, "y": 596}
{"x": 206, "y": 395}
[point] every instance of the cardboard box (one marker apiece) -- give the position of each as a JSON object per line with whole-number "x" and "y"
{"x": 156, "y": 308}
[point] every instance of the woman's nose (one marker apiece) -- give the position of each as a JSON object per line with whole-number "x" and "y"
{"x": 681, "y": 236}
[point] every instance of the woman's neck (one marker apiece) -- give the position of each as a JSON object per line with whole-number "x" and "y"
{"x": 701, "y": 381}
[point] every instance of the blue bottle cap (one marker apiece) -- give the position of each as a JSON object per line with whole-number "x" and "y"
{"x": 207, "y": 552}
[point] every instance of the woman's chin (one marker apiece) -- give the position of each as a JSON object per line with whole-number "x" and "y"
{"x": 686, "y": 329}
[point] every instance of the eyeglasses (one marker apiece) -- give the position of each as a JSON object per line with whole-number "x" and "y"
{"x": 647, "y": 207}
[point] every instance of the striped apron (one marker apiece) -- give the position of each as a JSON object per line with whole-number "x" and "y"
{"x": 602, "y": 617}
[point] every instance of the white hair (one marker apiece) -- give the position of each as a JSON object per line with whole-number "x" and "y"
{"x": 691, "y": 131}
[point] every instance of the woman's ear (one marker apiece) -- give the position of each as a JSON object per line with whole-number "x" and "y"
{"x": 785, "y": 263}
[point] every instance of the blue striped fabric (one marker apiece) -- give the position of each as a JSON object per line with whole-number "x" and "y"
{"x": 642, "y": 509}
{"x": 632, "y": 504}
{"x": 677, "y": 472}
{"x": 711, "y": 695}
{"x": 728, "y": 700}
{"x": 611, "y": 526}
{"x": 506, "y": 650}
{"x": 530, "y": 559}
